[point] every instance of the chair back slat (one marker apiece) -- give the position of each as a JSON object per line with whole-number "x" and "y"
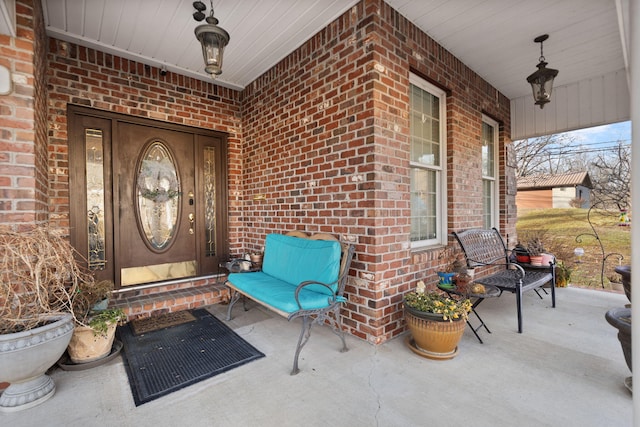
{"x": 482, "y": 246}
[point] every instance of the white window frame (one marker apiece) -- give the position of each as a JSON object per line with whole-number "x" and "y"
{"x": 441, "y": 170}
{"x": 495, "y": 194}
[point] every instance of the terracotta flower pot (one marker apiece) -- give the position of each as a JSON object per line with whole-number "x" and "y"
{"x": 536, "y": 260}
{"x": 547, "y": 259}
{"x": 256, "y": 259}
{"x": 431, "y": 336}
{"x": 85, "y": 346}
{"x": 463, "y": 282}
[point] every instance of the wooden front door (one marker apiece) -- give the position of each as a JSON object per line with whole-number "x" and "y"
{"x": 148, "y": 199}
{"x": 155, "y": 188}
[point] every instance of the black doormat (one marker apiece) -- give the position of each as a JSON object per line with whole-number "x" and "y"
{"x": 166, "y": 360}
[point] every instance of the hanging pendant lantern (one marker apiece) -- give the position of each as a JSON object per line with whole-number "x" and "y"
{"x": 212, "y": 38}
{"x": 542, "y": 80}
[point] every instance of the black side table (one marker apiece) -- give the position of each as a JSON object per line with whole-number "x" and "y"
{"x": 490, "y": 291}
{"x": 233, "y": 264}
{"x": 239, "y": 265}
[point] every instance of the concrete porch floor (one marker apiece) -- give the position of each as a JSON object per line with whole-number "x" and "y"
{"x": 566, "y": 369}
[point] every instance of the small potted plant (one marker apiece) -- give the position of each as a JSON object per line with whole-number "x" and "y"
{"x": 95, "y": 329}
{"x": 535, "y": 249}
{"x": 463, "y": 275}
{"x": 446, "y": 277}
{"x": 537, "y": 253}
{"x": 521, "y": 253}
{"x": 563, "y": 274}
{"x": 436, "y": 322}
{"x": 256, "y": 258}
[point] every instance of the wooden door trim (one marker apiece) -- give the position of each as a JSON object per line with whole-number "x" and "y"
{"x": 77, "y": 203}
{"x": 222, "y": 197}
{"x": 92, "y": 112}
{"x": 74, "y": 115}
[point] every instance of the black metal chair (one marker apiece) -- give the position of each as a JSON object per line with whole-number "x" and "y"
{"x": 486, "y": 248}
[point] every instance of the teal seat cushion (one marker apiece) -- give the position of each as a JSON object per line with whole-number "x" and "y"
{"x": 295, "y": 260}
{"x": 277, "y": 293}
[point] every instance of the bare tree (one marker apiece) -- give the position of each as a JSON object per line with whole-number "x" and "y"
{"x": 548, "y": 154}
{"x": 611, "y": 177}
{"x": 575, "y": 162}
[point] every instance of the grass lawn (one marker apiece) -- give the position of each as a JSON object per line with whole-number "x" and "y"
{"x": 563, "y": 230}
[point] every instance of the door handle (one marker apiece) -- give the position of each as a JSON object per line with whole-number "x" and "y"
{"x": 192, "y": 220}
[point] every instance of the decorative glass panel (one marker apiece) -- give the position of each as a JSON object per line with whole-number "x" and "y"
{"x": 488, "y": 153}
{"x": 210, "y": 200}
{"x": 158, "y": 196}
{"x": 94, "y": 157}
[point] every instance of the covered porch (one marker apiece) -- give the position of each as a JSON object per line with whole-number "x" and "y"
{"x": 568, "y": 366}
{"x": 567, "y": 369}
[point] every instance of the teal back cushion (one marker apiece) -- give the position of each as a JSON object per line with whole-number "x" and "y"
{"x": 295, "y": 260}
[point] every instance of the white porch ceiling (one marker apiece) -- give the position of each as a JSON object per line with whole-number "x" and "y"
{"x": 493, "y": 37}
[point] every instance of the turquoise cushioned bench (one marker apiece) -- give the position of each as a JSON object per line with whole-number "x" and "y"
{"x": 300, "y": 277}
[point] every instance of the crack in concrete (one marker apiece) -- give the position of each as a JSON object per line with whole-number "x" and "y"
{"x": 374, "y": 359}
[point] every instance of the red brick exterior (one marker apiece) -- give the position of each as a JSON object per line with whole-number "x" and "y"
{"x": 23, "y": 122}
{"x": 324, "y": 135}
{"x": 327, "y": 143}
{"x": 83, "y": 76}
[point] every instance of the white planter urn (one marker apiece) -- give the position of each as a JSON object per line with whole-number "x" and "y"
{"x": 24, "y": 359}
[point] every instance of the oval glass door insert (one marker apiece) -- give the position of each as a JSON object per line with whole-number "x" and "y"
{"x": 158, "y": 196}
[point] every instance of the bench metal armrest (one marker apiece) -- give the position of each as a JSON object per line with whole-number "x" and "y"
{"x": 332, "y": 298}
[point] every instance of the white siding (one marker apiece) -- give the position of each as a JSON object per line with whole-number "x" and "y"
{"x": 563, "y": 196}
{"x": 585, "y": 194}
{"x": 592, "y": 102}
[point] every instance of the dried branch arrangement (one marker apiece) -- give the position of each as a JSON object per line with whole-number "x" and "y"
{"x": 39, "y": 276}
{"x": 88, "y": 294}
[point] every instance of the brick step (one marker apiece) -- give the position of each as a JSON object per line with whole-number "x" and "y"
{"x": 138, "y": 306}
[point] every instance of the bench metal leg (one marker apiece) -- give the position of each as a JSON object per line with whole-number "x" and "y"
{"x": 340, "y": 333}
{"x": 308, "y": 320}
{"x": 305, "y": 333}
{"x": 234, "y": 299}
{"x": 336, "y": 328}
{"x": 553, "y": 288}
{"x": 519, "y": 305}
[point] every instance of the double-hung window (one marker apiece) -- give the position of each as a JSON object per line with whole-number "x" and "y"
{"x": 428, "y": 163}
{"x": 489, "y": 166}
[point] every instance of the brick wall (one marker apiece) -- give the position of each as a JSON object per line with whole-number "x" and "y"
{"x": 324, "y": 135}
{"x": 327, "y": 142}
{"x": 23, "y": 122}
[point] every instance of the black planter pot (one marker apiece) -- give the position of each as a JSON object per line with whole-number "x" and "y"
{"x": 625, "y": 272}
{"x": 620, "y": 318}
